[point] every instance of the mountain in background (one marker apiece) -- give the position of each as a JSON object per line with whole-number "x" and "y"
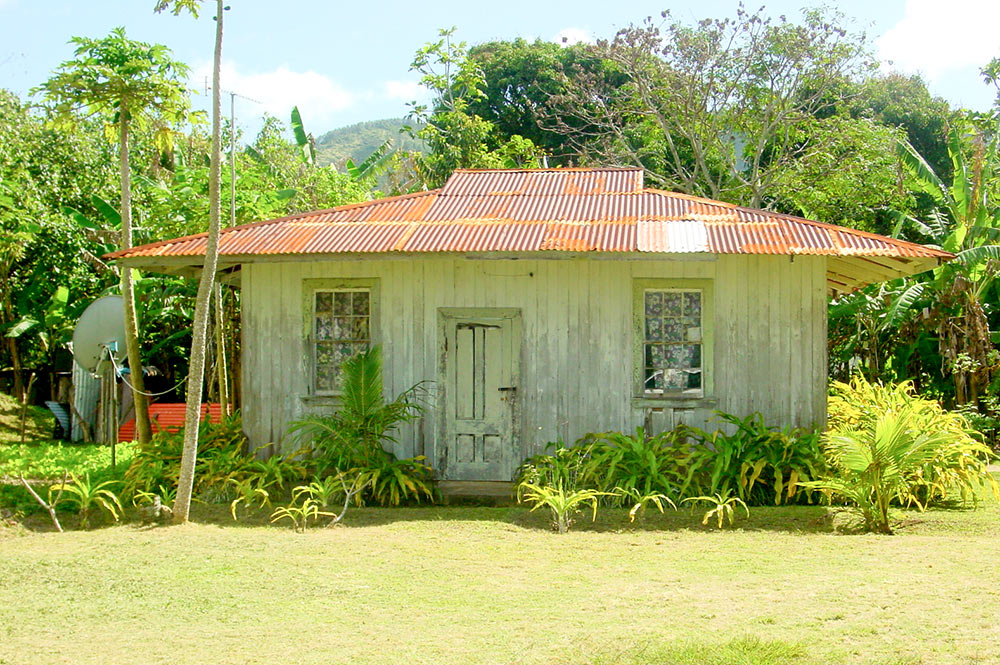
{"x": 359, "y": 140}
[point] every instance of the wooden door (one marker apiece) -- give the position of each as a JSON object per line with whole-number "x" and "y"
{"x": 482, "y": 350}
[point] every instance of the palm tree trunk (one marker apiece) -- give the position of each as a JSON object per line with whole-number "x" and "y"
{"x": 196, "y": 368}
{"x": 139, "y": 399}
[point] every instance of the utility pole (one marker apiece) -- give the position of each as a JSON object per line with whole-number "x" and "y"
{"x": 225, "y": 402}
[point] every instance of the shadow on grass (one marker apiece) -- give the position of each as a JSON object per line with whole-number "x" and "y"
{"x": 784, "y": 519}
{"x": 791, "y": 519}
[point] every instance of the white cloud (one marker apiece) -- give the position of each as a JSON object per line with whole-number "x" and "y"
{"x": 317, "y": 96}
{"x": 406, "y": 91}
{"x": 570, "y": 36}
{"x": 934, "y": 37}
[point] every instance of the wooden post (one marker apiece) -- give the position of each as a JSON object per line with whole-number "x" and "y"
{"x": 24, "y": 406}
{"x": 220, "y": 352}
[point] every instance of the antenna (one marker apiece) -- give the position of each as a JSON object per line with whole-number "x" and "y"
{"x": 232, "y": 145}
{"x": 101, "y": 327}
{"x": 98, "y": 336}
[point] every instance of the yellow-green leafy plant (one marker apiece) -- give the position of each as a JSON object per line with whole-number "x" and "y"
{"x": 299, "y": 515}
{"x": 87, "y": 495}
{"x": 248, "y": 492}
{"x": 564, "y": 504}
{"x": 883, "y": 461}
{"x": 959, "y": 460}
{"x": 639, "y": 502}
{"x": 720, "y": 506}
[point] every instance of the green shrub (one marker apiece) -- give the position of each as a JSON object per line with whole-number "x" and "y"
{"x": 564, "y": 465}
{"x": 223, "y": 462}
{"x": 758, "y": 463}
{"x": 640, "y": 463}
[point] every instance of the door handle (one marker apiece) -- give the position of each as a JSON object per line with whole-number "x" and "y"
{"x": 507, "y": 389}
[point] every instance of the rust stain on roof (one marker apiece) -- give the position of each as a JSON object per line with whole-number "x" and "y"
{"x": 571, "y": 210}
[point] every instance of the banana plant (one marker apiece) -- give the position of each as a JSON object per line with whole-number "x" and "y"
{"x": 305, "y": 142}
{"x": 966, "y": 222}
{"x": 373, "y": 166}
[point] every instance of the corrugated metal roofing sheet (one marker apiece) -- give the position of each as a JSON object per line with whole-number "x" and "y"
{"x": 574, "y": 210}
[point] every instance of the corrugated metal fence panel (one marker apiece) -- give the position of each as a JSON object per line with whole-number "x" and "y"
{"x": 86, "y": 390}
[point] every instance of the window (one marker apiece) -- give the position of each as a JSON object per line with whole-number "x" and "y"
{"x": 341, "y": 329}
{"x": 672, "y": 338}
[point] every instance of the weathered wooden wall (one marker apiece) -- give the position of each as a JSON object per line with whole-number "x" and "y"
{"x": 770, "y": 338}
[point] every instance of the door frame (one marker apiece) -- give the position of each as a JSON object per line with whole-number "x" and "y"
{"x": 449, "y": 318}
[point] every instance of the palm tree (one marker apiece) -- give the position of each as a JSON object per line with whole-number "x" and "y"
{"x": 127, "y": 82}
{"x": 880, "y": 463}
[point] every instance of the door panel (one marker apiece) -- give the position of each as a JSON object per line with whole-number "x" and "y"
{"x": 480, "y": 369}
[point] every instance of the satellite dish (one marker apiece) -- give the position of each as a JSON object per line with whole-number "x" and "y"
{"x": 101, "y": 324}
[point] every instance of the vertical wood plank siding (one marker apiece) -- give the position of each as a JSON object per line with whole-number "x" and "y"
{"x": 770, "y": 338}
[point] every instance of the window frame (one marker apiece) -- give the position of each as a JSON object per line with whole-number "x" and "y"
{"x": 310, "y": 287}
{"x": 639, "y": 289}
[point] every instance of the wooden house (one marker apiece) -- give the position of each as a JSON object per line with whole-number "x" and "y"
{"x": 540, "y": 305}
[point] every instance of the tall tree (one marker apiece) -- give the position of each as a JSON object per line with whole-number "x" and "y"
{"x": 127, "y": 82}
{"x": 206, "y": 285}
{"x": 456, "y": 136}
{"x": 708, "y": 109}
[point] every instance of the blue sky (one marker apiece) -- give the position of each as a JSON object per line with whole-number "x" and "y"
{"x": 346, "y": 62}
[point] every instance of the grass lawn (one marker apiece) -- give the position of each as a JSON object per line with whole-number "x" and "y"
{"x": 470, "y": 585}
{"x": 38, "y": 421}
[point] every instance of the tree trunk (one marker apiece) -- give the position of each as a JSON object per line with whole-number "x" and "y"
{"x": 196, "y": 369}
{"x": 139, "y": 398}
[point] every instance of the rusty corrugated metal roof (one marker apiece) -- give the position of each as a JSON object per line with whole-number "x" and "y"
{"x": 573, "y": 210}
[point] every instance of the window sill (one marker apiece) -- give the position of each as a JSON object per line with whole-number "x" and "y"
{"x": 674, "y": 402}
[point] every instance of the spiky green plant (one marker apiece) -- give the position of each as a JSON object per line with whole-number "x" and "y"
{"x": 248, "y": 491}
{"x": 640, "y": 501}
{"x": 720, "y": 506}
{"x": 299, "y": 515}
{"x": 564, "y": 504}
{"x": 88, "y": 495}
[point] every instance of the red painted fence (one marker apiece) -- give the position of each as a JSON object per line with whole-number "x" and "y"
{"x": 168, "y": 417}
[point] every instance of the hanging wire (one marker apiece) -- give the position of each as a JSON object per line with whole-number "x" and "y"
{"x": 118, "y": 371}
